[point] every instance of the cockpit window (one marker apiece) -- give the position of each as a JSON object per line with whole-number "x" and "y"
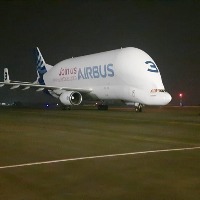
{"x": 158, "y": 90}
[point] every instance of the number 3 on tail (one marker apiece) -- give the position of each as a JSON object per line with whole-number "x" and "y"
{"x": 5, "y": 76}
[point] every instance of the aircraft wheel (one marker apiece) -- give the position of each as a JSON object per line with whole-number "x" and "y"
{"x": 138, "y": 108}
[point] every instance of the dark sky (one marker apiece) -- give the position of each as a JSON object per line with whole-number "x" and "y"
{"x": 169, "y": 31}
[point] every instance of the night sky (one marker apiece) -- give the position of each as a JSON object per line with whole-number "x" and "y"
{"x": 169, "y": 31}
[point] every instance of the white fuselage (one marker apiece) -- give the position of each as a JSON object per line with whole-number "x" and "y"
{"x": 127, "y": 74}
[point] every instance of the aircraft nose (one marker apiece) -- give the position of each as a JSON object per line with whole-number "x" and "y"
{"x": 167, "y": 98}
{"x": 159, "y": 98}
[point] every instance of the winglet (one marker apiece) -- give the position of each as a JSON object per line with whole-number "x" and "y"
{"x": 6, "y": 76}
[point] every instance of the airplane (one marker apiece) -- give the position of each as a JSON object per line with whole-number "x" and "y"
{"x": 127, "y": 74}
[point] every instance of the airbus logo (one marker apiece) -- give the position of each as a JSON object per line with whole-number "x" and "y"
{"x": 96, "y": 72}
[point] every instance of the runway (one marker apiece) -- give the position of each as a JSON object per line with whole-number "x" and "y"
{"x": 96, "y": 157}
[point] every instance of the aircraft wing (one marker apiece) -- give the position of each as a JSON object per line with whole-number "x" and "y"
{"x": 38, "y": 87}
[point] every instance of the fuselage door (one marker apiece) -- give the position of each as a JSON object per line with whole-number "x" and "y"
{"x": 133, "y": 93}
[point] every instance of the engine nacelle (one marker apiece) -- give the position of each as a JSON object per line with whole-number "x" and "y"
{"x": 70, "y": 98}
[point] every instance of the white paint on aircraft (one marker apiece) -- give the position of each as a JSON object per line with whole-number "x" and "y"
{"x": 126, "y": 74}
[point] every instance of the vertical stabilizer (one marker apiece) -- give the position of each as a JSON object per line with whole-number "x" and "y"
{"x": 42, "y": 67}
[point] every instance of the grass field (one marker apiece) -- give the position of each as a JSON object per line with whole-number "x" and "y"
{"x": 33, "y": 135}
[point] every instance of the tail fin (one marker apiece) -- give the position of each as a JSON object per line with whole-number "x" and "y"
{"x": 42, "y": 67}
{"x": 6, "y": 76}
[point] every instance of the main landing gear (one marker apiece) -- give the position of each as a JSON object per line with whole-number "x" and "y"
{"x": 64, "y": 107}
{"x": 102, "y": 106}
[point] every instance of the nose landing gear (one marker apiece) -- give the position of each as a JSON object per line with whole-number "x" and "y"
{"x": 138, "y": 107}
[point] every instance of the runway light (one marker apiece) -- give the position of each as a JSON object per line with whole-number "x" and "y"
{"x": 181, "y": 96}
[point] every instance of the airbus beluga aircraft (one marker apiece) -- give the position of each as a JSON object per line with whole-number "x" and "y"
{"x": 126, "y": 74}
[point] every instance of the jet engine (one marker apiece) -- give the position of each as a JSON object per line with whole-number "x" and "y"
{"x": 70, "y": 98}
